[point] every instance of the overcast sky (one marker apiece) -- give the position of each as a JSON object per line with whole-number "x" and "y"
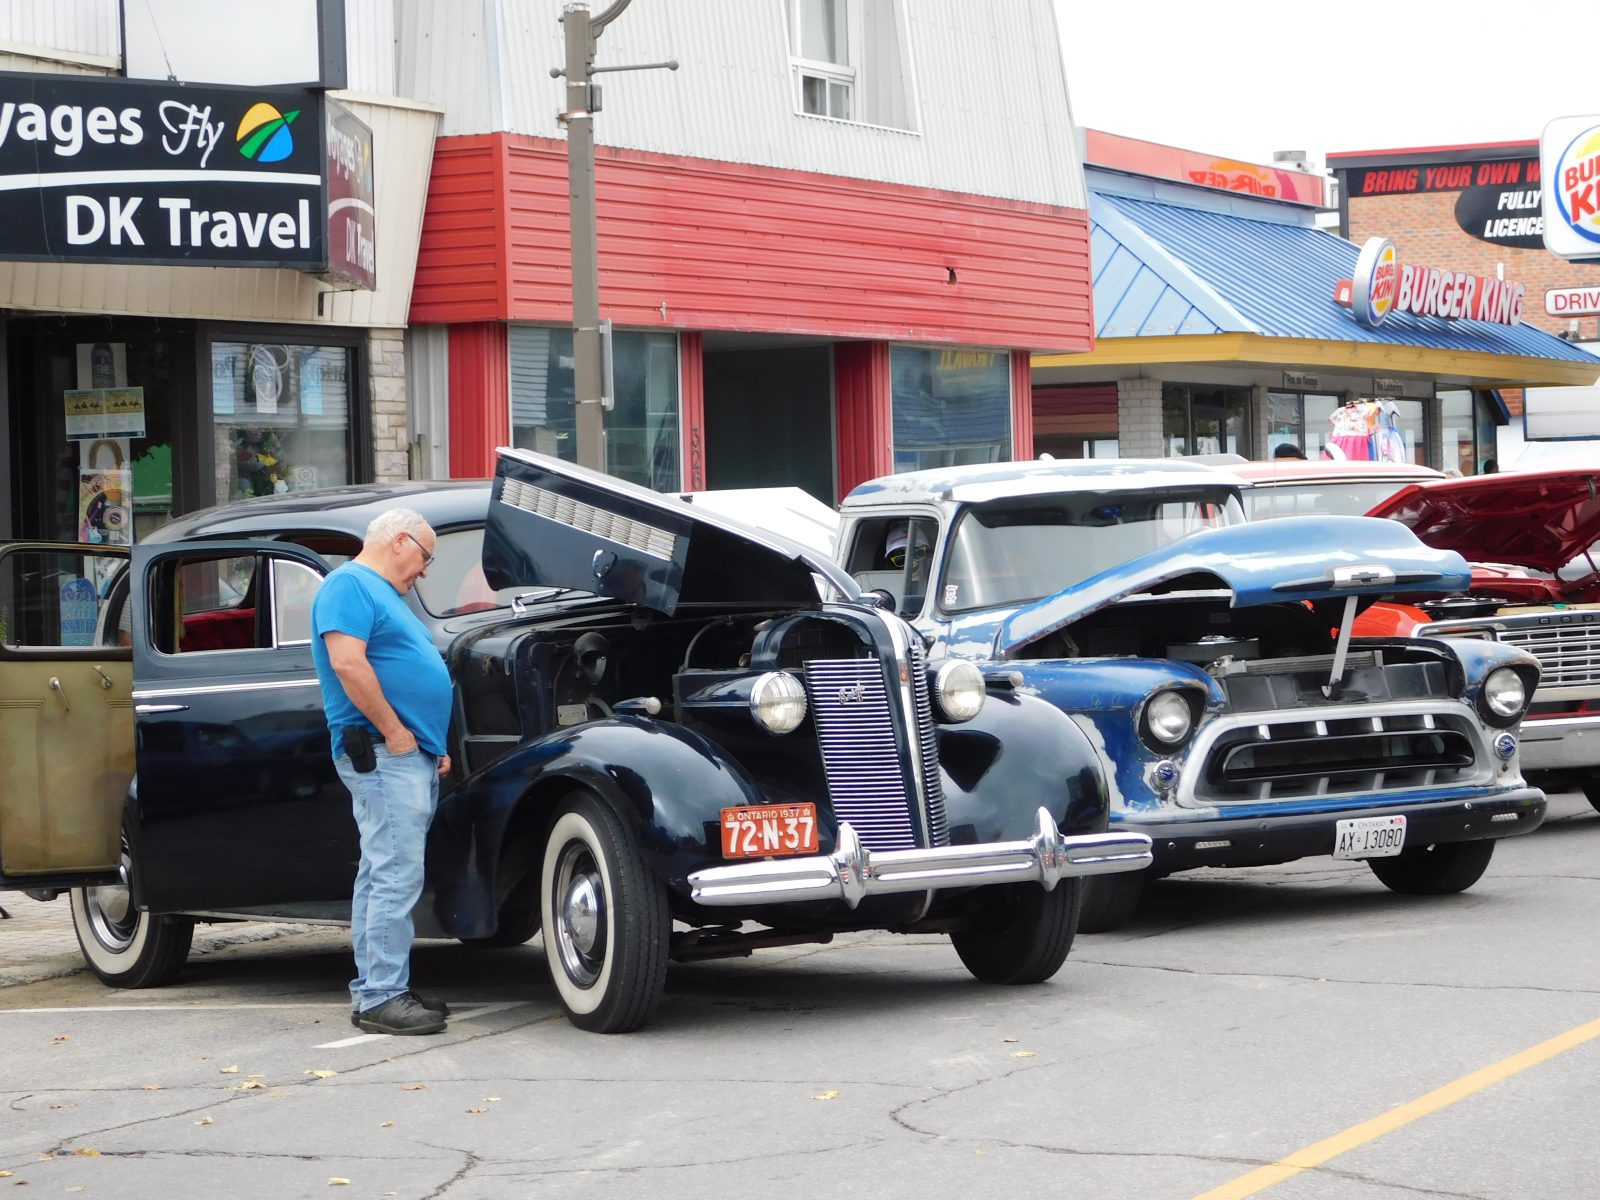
{"x": 1242, "y": 78}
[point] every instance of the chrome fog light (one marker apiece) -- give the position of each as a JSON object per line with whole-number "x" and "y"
{"x": 1505, "y": 746}
{"x": 778, "y": 702}
{"x": 1168, "y": 718}
{"x": 959, "y": 688}
{"x": 1504, "y": 694}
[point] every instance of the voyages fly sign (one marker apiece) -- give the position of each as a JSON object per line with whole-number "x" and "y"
{"x": 120, "y": 170}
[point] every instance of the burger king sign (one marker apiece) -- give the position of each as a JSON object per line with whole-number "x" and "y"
{"x": 1569, "y": 157}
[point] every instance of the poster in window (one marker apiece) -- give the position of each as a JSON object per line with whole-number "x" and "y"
{"x": 102, "y": 364}
{"x": 86, "y": 412}
{"x": 124, "y": 412}
{"x": 105, "y": 506}
{"x": 265, "y": 376}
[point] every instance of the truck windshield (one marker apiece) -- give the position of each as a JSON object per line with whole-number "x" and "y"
{"x": 1014, "y": 551}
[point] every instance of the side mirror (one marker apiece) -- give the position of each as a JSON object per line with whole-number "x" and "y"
{"x": 879, "y": 598}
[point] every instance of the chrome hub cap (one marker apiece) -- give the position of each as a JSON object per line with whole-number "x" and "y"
{"x": 579, "y": 902}
{"x": 111, "y": 913}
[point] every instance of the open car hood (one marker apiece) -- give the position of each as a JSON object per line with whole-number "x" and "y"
{"x": 553, "y": 524}
{"x": 1542, "y": 520}
{"x": 1287, "y": 559}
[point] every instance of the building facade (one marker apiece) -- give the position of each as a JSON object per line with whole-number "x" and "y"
{"x": 206, "y": 277}
{"x": 829, "y": 241}
{"x": 1224, "y": 324}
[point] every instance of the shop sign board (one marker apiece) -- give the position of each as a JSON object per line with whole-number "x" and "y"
{"x": 1502, "y": 216}
{"x": 1382, "y": 284}
{"x": 138, "y": 171}
{"x": 352, "y": 192}
{"x": 1411, "y": 180}
{"x": 1569, "y": 153}
{"x": 1572, "y": 302}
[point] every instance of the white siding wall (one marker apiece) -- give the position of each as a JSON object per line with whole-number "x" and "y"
{"x": 86, "y": 27}
{"x": 369, "y": 46}
{"x": 989, "y": 94}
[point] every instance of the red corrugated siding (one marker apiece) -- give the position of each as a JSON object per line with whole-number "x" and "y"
{"x": 461, "y": 255}
{"x": 692, "y": 405}
{"x": 865, "y": 416}
{"x": 480, "y": 398}
{"x": 1075, "y": 408}
{"x": 1021, "y": 406}
{"x": 728, "y": 246}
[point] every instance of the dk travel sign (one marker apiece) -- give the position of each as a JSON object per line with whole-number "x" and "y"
{"x": 141, "y": 171}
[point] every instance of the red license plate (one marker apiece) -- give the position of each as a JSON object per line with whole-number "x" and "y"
{"x": 769, "y": 829}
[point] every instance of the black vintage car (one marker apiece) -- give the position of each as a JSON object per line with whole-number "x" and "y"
{"x": 665, "y": 744}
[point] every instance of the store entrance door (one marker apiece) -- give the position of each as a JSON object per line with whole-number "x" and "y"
{"x": 769, "y": 417}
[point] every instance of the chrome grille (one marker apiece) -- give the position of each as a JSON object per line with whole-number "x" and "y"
{"x": 1351, "y": 755}
{"x": 928, "y": 745}
{"x": 1569, "y": 655}
{"x": 860, "y": 753}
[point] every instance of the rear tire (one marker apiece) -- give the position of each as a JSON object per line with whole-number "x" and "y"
{"x": 605, "y": 920}
{"x": 127, "y": 948}
{"x": 1020, "y": 933}
{"x": 1590, "y": 786}
{"x": 1437, "y": 870}
{"x": 1109, "y": 901}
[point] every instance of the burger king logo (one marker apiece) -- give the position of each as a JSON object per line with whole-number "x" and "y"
{"x": 1575, "y": 184}
{"x": 1376, "y": 282}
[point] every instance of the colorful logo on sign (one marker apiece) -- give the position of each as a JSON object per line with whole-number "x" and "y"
{"x": 1576, "y": 184}
{"x": 1377, "y": 281}
{"x": 263, "y": 133}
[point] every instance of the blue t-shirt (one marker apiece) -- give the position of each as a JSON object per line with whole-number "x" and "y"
{"x": 356, "y": 600}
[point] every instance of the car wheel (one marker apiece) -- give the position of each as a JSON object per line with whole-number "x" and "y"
{"x": 1591, "y": 788}
{"x": 605, "y": 920}
{"x": 1436, "y": 870}
{"x": 1110, "y": 900}
{"x": 1018, "y": 932}
{"x": 123, "y": 946}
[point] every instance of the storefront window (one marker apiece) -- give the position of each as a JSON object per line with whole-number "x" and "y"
{"x": 952, "y": 406}
{"x": 643, "y": 444}
{"x": 1203, "y": 420}
{"x": 281, "y": 416}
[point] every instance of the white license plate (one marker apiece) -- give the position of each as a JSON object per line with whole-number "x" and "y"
{"x": 1369, "y": 837}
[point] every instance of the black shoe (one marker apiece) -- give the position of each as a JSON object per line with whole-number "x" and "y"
{"x": 432, "y": 1003}
{"x": 401, "y": 1015}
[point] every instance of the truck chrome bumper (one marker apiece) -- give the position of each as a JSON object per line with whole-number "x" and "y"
{"x": 852, "y": 872}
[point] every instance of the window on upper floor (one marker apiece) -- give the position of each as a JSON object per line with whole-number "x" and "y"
{"x": 849, "y": 60}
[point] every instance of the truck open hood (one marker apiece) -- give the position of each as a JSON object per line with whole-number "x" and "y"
{"x": 1541, "y": 520}
{"x": 553, "y": 524}
{"x": 1265, "y": 562}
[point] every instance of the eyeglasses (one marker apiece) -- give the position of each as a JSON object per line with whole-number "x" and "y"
{"x": 897, "y": 556}
{"x": 427, "y": 556}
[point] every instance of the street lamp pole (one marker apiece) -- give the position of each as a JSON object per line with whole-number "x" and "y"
{"x": 591, "y": 349}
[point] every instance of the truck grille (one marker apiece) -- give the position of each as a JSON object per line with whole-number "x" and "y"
{"x": 1291, "y": 760}
{"x": 860, "y": 753}
{"x": 1569, "y": 655}
{"x": 928, "y": 745}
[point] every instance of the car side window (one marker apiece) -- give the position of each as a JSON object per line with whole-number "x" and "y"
{"x": 207, "y": 603}
{"x": 55, "y": 598}
{"x": 895, "y": 554}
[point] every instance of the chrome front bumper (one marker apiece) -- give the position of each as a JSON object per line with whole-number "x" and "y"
{"x": 852, "y": 872}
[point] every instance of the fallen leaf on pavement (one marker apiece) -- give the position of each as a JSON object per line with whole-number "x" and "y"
{"x": 387, "y": 1125}
{"x": 477, "y": 1110}
{"x": 56, "y": 1041}
{"x": 5, "y": 1174}
{"x": 412, "y": 1087}
{"x": 203, "y": 1121}
{"x": 68, "y": 1105}
{"x": 323, "y": 1074}
{"x": 492, "y": 1099}
{"x": 337, "y": 1181}
{"x": 234, "y": 1070}
{"x": 826, "y": 1096}
{"x": 78, "y": 1188}
{"x": 249, "y": 1085}
{"x": 1008, "y": 1041}
{"x": 153, "y": 1087}
{"x": 86, "y": 1152}
{"x": 1022, "y": 1054}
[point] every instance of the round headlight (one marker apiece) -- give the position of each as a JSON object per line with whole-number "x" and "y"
{"x": 960, "y": 690}
{"x": 1169, "y": 718}
{"x": 1504, "y": 693}
{"x": 778, "y": 702}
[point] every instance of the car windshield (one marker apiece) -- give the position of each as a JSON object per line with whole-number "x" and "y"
{"x": 1320, "y": 497}
{"x": 1021, "y": 550}
{"x": 455, "y": 584}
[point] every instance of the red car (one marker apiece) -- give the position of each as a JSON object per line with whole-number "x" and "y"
{"x": 1534, "y": 544}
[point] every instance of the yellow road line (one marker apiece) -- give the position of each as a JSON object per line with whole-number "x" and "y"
{"x": 1357, "y": 1135}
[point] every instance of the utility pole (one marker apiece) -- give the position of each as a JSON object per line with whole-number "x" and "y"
{"x": 591, "y": 341}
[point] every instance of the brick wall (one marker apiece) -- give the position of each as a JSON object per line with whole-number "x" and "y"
{"x": 1139, "y": 418}
{"x": 386, "y": 371}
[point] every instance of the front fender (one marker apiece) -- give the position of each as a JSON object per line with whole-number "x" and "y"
{"x": 665, "y": 778}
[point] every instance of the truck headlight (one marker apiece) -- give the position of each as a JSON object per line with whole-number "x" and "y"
{"x": 1167, "y": 721}
{"x": 778, "y": 702}
{"x": 959, "y": 689}
{"x": 1504, "y": 696}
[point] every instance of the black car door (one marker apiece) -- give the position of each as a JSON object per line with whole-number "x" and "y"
{"x": 238, "y": 805}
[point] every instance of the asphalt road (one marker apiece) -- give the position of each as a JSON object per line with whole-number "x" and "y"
{"x": 1293, "y": 1033}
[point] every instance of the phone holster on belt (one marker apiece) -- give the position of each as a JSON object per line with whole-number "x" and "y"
{"x": 358, "y": 745}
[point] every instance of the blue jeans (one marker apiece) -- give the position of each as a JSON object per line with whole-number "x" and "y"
{"x": 393, "y": 808}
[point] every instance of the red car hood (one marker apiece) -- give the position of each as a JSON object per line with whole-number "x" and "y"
{"x": 1541, "y": 520}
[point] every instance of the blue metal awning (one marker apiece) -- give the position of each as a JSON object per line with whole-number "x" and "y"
{"x": 1162, "y": 270}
